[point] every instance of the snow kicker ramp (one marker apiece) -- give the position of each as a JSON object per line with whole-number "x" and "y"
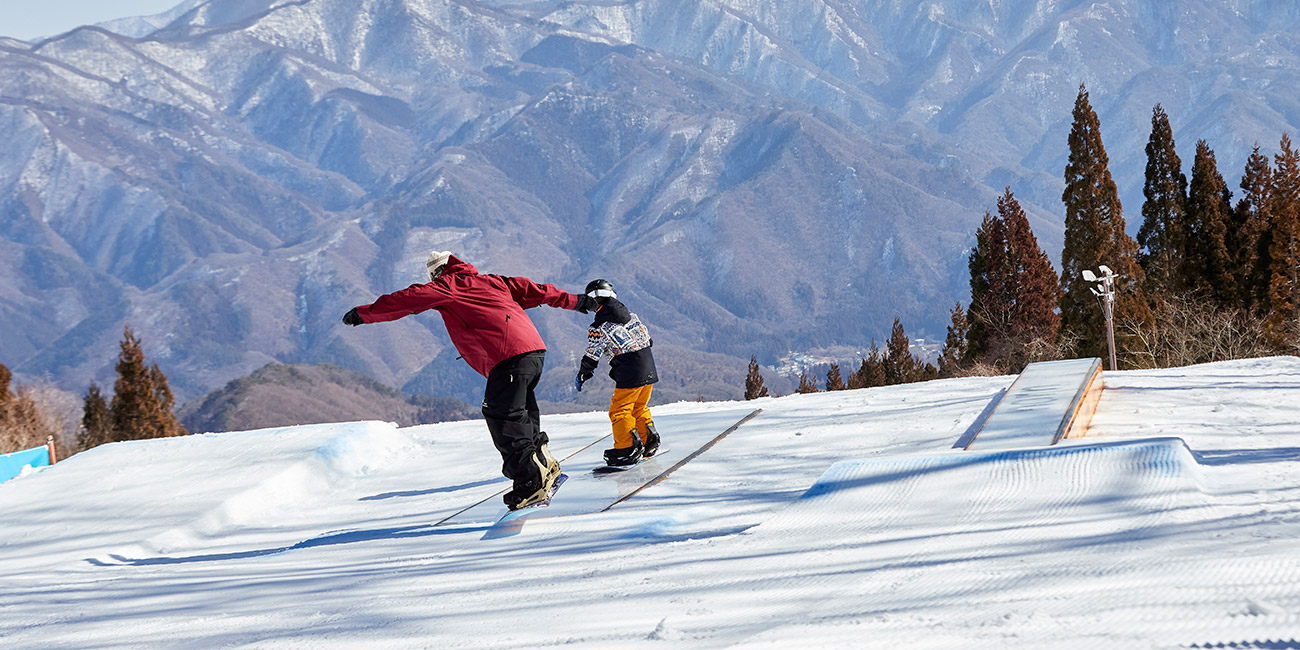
{"x": 1028, "y": 540}
{"x": 1048, "y": 402}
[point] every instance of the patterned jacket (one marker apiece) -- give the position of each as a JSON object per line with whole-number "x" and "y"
{"x": 618, "y": 335}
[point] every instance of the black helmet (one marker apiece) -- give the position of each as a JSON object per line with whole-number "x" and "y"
{"x": 600, "y": 291}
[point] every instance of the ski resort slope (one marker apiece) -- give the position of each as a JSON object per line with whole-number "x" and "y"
{"x": 830, "y": 520}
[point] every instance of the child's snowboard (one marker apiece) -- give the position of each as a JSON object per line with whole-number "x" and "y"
{"x": 610, "y": 469}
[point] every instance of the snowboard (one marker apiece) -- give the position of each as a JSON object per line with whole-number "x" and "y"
{"x": 512, "y": 523}
{"x": 610, "y": 469}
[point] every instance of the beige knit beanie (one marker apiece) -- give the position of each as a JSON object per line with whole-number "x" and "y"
{"x": 437, "y": 260}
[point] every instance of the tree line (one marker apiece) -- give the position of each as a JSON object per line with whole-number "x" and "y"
{"x": 1205, "y": 280}
{"x": 140, "y": 408}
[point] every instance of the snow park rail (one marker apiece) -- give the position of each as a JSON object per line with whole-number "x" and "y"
{"x": 503, "y": 490}
{"x": 587, "y": 492}
{"x": 1049, "y": 401}
{"x": 683, "y": 461}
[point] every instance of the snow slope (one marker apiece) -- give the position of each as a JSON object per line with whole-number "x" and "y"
{"x": 830, "y": 520}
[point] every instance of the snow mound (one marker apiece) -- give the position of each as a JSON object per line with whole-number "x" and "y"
{"x": 285, "y": 482}
{"x": 1004, "y": 493}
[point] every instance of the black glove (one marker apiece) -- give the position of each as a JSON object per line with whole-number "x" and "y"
{"x": 582, "y": 378}
{"x": 352, "y": 317}
{"x": 586, "y": 303}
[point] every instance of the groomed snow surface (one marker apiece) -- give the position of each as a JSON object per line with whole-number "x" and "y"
{"x": 830, "y": 520}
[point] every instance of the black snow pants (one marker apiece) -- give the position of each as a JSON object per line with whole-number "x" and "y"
{"x": 510, "y": 409}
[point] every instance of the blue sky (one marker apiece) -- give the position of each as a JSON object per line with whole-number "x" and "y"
{"x": 28, "y": 19}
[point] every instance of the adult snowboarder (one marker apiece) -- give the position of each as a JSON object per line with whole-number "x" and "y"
{"x": 618, "y": 334}
{"x": 484, "y": 316}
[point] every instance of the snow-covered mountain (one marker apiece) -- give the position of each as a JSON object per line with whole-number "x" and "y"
{"x": 141, "y": 26}
{"x": 833, "y": 520}
{"x": 756, "y": 178}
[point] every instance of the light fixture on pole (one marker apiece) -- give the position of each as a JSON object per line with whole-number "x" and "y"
{"x": 1105, "y": 292}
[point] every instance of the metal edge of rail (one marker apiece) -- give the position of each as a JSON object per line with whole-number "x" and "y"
{"x": 685, "y": 460}
{"x": 507, "y": 488}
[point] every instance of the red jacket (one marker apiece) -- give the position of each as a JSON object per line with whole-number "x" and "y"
{"x": 484, "y": 314}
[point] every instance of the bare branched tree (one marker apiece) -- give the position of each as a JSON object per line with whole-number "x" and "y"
{"x": 1190, "y": 329}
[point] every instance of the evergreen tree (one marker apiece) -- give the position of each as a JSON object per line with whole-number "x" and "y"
{"x": 1250, "y": 233}
{"x": 900, "y": 365}
{"x": 1208, "y": 265}
{"x": 833, "y": 379}
{"x": 1035, "y": 287}
{"x": 807, "y": 384}
{"x": 872, "y": 371}
{"x": 1161, "y": 240}
{"x": 1284, "y": 247}
{"x": 1094, "y": 235}
{"x": 1014, "y": 290}
{"x": 165, "y": 421}
{"x": 140, "y": 407}
{"x": 854, "y": 380}
{"x": 132, "y": 392}
{"x": 873, "y": 367}
{"x": 953, "y": 355}
{"x": 754, "y": 386}
{"x": 96, "y": 420}
{"x": 989, "y": 305}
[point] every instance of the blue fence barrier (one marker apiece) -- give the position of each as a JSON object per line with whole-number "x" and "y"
{"x": 12, "y": 464}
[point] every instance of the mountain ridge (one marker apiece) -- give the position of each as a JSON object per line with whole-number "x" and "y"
{"x": 757, "y": 179}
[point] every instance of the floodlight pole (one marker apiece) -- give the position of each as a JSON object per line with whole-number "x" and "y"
{"x": 1105, "y": 292}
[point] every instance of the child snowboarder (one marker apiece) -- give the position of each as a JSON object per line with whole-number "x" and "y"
{"x": 619, "y": 335}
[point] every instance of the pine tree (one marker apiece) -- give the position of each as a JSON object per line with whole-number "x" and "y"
{"x": 833, "y": 379}
{"x": 871, "y": 372}
{"x": 989, "y": 306}
{"x": 1094, "y": 235}
{"x": 900, "y": 365}
{"x": 1014, "y": 290}
{"x": 165, "y": 422}
{"x": 873, "y": 367}
{"x": 754, "y": 387}
{"x": 1208, "y": 266}
{"x": 953, "y": 355}
{"x": 96, "y": 420}
{"x": 854, "y": 380}
{"x": 1284, "y": 247}
{"x": 807, "y": 384}
{"x": 140, "y": 407}
{"x": 1250, "y": 234}
{"x": 1161, "y": 239}
{"x": 132, "y": 392}
{"x": 1036, "y": 289}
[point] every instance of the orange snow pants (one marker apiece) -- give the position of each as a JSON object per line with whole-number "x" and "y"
{"x": 628, "y": 410}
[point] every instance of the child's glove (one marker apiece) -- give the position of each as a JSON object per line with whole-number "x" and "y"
{"x": 580, "y": 380}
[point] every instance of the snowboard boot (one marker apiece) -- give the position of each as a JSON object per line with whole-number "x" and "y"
{"x": 624, "y": 456}
{"x": 535, "y": 482}
{"x": 651, "y": 445}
